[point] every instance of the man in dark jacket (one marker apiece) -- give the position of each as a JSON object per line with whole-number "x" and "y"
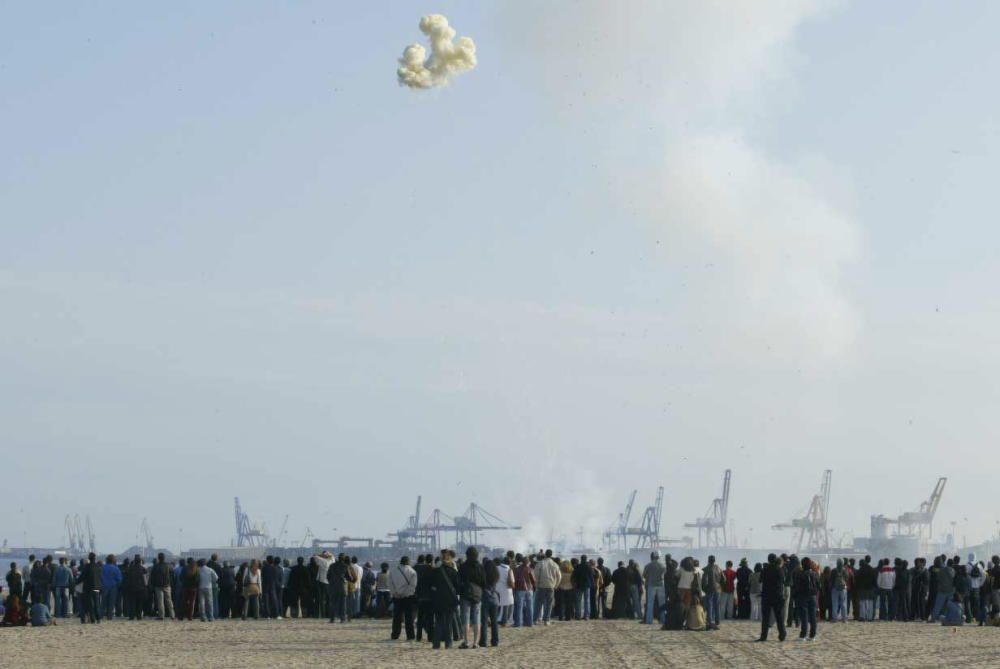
{"x": 772, "y": 594}
{"x": 743, "y": 590}
{"x": 161, "y": 578}
{"x": 425, "y": 605}
{"x": 472, "y": 578}
{"x": 901, "y": 591}
{"x": 805, "y": 590}
{"x": 919, "y": 584}
{"x": 268, "y": 609}
{"x": 134, "y": 584}
{"x": 90, "y": 579}
{"x": 583, "y": 582}
{"x": 298, "y": 588}
{"x": 445, "y": 585}
{"x": 603, "y": 594}
{"x": 41, "y": 582}
{"x": 227, "y": 590}
{"x": 337, "y": 578}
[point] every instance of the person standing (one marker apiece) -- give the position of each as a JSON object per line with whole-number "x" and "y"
{"x": 838, "y": 592}
{"x": 354, "y": 588}
{"x": 41, "y": 581}
{"x": 213, "y": 564}
{"x": 403, "y": 590}
{"x": 28, "y": 591}
{"x": 227, "y": 590}
{"x": 524, "y": 590}
{"x": 505, "y": 590}
{"x": 945, "y": 590}
{"x": 111, "y": 580}
{"x": 603, "y": 594}
{"x": 652, "y": 577}
{"x": 383, "y": 591}
{"x": 901, "y": 592}
{"x": 425, "y": 596}
{"x": 368, "y": 580}
{"x": 445, "y": 587}
{"x": 727, "y": 599}
{"x": 15, "y": 581}
{"x": 490, "y": 607}
{"x": 336, "y": 579}
{"x": 743, "y": 604}
{"x": 298, "y": 588}
{"x": 161, "y": 577}
{"x": 472, "y": 578}
{"x": 322, "y": 562}
{"x": 919, "y": 582}
{"x": 994, "y": 573}
{"x": 583, "y": 583}
{"x": 635, "y": 589}
{"x": 90, "y": 596}
{"x": 251, "y": 590}
{"x": 62, "y": 582}
{"x": 134, "y": 584}
{"x": 207, "y": 583}
{"x": 865, "y": 582}
{"x": 755, "y": 591}
{"x": 772, "y": 581}
{"x": 886, "y": 581}
{"x": 711, "y": 584}
{"x": 805, "y": 590}
{"x": 545, "y": 581}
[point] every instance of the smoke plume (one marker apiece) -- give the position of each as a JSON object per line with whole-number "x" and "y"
{"x": 448, "y": 57}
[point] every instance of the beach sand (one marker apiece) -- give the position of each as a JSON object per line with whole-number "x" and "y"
{"x": 310, "y": 643}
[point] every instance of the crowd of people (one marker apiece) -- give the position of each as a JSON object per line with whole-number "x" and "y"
{"x": 447, "y": 599}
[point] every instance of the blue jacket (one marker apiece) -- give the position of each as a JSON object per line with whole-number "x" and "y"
{"x": 63, "y": 577}
{"x": 111, "y": 575}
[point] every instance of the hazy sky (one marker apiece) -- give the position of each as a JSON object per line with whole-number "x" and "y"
{"x": 638, "y": 244}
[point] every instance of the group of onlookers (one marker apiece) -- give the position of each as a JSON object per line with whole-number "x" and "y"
{"x": 447, "y": 599}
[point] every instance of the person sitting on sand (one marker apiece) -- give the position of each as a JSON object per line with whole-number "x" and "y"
{"x": 954, "y": 616}
{"x": 15, "y": 615}
{"x": 40, "y": 616}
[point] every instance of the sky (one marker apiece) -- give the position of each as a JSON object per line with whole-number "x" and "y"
{"x": 635, "y": 246}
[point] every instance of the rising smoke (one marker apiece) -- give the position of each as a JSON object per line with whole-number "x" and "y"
{"x": 448, "y": 57}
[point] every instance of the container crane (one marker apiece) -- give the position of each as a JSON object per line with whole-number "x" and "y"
{"x": 812, "y": 527}
{"x": 712, "y": 527}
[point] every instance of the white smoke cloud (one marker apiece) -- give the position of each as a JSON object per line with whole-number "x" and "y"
{"x": 447, "y": 58}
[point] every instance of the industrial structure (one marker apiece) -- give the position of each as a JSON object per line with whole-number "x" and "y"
{"x": 248, "y": 534}
{"x": 911, "y": 531}
{"x": 712, "y": 527}
{"x": 647, "y": 534}
{"x": 813, "y": 534}
{"x": 634, "y": 534}
{"x": 75, "y": 535}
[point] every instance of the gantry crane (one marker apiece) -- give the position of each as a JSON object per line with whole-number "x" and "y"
{"x": 920, "y": 523}
{"x": 616, "y": 536}
{"x": 247, "y": 534}
{"x": 812, "y": 527}
{"x": 712, "y": 527}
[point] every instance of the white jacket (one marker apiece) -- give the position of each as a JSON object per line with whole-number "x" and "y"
{"x": 402, "y": 581}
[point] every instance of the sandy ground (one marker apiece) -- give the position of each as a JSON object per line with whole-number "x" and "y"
{"x": 301, "y": 643}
